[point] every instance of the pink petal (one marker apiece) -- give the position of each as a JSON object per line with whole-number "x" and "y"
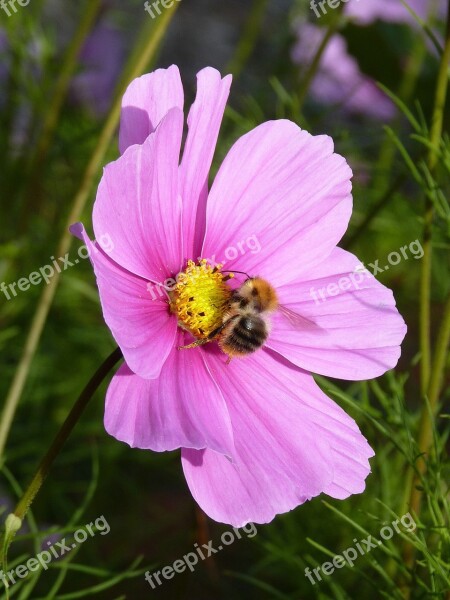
{"x": 286, "y": 189}
{"x": 204, "y": 120}
{"x": 143, "y": 327}
{"x": 138, "y": 205}
{"x": 182, "y": 408}
{"x": 145, "y": 102}
{"x": 292, "y": 443}
{"x": 358, "y": 331}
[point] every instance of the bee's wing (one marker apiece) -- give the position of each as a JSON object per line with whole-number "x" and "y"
{"x": 298, "y": 321}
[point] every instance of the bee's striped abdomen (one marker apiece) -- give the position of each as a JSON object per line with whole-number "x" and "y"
{"x": 246, "y": 335}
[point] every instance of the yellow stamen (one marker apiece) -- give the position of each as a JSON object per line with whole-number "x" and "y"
{"x": 200, "y": 298}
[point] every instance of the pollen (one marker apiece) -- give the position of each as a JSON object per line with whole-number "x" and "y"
{"x": 200, "y": 298}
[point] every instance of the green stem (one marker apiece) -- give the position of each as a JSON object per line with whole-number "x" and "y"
{"x": 314, "y": 66}
{"x": 146, "y": 53}
{"x": 388, "y": 150}
{"x": 405, "y": 91}
{"x": 425, "y": 281}
{"x": 434, "y": 390}
{"x": 425, "y": 300}
{"x": 69, "y": 64}
{"x": 376, "y": 208}
{"x": 432, "y": 373}
{"x": 248, "y": 39}
{"x": 66, "y": 429}
{"x": 440, "y": 356}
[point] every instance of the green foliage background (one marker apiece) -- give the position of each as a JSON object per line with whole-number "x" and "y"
{"x": 143, "y": 496}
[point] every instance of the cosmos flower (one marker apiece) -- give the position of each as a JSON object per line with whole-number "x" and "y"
{"x": 368, "y": 11}
{"x": 339, "y": 79}
{"x": 258, "y": 436}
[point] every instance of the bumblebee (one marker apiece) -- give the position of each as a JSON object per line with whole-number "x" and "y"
{"x": 246, "y": 325}
{"x": 246, "y": 319}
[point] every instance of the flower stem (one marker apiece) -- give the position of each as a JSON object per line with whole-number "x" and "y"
{"x": 56, "y": 104}
{"x": 405, "y": 91}
{"x": 425, "y": 283}
{"x": 248, "y": 39}
{"x": 429, "y": 411}
{"x": 140, "y": 61}
{"x": 435, "y": 138}
{"x": 381, "y": 202}
{"x": 315, "y": 64}
{"x": 431, "y": 370}
{"x": 14, "y": 520}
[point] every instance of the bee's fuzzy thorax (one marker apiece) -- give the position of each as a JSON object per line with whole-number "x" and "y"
{"x": 260, "y": 294}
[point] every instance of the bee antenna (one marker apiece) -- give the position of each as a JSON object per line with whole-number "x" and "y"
{"x": 241, "y": 272}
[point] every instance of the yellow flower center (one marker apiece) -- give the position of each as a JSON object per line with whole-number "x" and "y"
{"x": 200, "y": 298}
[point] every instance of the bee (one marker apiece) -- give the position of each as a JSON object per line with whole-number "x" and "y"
{"x": 246, "y": 321}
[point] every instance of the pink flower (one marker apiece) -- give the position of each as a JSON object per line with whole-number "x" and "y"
{"x": 367, "y": 11}
{"x": 339, "y": 79}
{"x": 258, "y": 436}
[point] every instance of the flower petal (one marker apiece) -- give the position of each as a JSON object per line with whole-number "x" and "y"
{"x": 288, "y": 190}
{"x": 204, "y": 120}
{"x": 358, "y": 329}
{"x": 182, "y": 408}
{"x": 146, "y": 101}
{"x": 292, "y": 443}
{"x": 138, "y": 205}
{"x": 142, "y": 326}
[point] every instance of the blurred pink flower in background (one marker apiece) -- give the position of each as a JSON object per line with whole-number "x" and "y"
{"x": 29, "y": 75}
{"x": 339, "y": 79}
{"x": 258, "y": 436}
{"x": 367, "y": 11}
{"x": 101, "y": 62}
{"x": 4, "y": 61}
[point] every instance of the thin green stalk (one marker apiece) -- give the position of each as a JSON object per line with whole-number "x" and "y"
{"x": 432, "y": 372}
{"x": 248, "y": 39}
{"x": 434, "y": 390}
{"x": 405, "y": 91}
{"x": 388, "y": 150}
{"x": 56, "y": 103}
{"x": 147, "y": 52}
{"x": 376, "y": 208}
{"x": 14, "y": 520}
{"x": 440, "y": 356}
{"x": 425, "y": 301}
{"x": 425, "y": 282}
{"x": 314, "y": 66}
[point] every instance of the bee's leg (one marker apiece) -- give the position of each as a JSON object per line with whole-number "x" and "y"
{"x": 210, "y": 337}
{"x": 229, "y": 360}
{"x": 194, "y": 344}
